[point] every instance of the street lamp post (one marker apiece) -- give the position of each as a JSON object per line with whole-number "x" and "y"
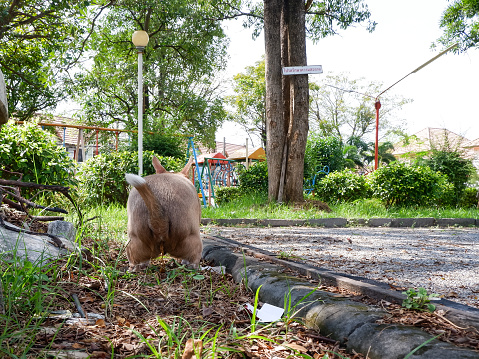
{"x": 140, "y": 40}
{"x": 377, "y": 104}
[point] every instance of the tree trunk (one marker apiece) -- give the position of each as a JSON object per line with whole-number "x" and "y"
{"x": 287, "y": 98}
{"x": 275, "y": 126}
{"x": 299, "y": 103}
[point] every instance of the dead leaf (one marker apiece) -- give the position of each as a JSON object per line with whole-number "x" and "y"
{"x": 190, "y": 348}
{"x": 207, "y": 311}
{"x": 295, "y": 346}
{"x": 100, "y": 323}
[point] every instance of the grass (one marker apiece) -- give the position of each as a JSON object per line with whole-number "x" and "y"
{"x": 164, "y": 312}
{"x": 259, "y": 207}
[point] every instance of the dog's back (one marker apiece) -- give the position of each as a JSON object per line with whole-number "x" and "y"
{"x": 163, "y": 217}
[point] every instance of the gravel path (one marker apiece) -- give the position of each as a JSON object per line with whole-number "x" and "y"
{"x": 444, "y": 261}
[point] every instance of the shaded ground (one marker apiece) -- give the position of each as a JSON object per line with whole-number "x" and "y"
{"x": 162, "y": 311}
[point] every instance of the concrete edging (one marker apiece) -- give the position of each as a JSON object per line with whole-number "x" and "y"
{"x": 343, "y": 222}
{"x": 351, "y": 323}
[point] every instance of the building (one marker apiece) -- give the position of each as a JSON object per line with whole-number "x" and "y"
{"x": 424, "y": 141}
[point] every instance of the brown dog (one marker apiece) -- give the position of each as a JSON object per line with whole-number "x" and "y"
{"x": 164, "y": 216}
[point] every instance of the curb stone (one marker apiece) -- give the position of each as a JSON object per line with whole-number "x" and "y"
{"x": 343, "y": 222}
{"x": 351, "y": 323}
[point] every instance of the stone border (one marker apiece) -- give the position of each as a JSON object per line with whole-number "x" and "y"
{"x": 343, "y": 222}
{"x": 351, "y": 323}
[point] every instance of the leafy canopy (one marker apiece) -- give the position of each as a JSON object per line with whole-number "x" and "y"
{"x": 460, "y": 23}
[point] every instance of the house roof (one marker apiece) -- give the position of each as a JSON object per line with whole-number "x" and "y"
{"x": 257, "y": 153}
{"x": 421, "y": 141}
{"x": 220, "y": 147}
{"x": 201, "y": 158}
{"x": 67, "y": 135}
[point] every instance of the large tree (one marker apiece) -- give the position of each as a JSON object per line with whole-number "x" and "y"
{"x": 344, "y": 107}
{"x": 286, "y": 23}
{"x": 38, "y": 40}
{"x": 460, "y": 22}
{"x": 187, "y": 49}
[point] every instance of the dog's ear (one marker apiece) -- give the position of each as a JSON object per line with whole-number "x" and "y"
{"x": 158, "y": 167}
{"x": 185, "y": 169}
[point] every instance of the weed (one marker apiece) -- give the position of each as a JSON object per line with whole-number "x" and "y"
{"x": 419, "y": 300}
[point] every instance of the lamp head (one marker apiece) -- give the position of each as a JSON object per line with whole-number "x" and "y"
{"x": 140, "y": 39}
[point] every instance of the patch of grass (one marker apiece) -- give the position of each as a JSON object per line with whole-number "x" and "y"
{"x": 260, "y": 208}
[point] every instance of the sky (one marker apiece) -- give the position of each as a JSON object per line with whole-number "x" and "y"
{"x": 444, "y": 93}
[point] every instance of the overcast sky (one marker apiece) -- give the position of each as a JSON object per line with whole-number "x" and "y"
{"x": 444, "y": 93}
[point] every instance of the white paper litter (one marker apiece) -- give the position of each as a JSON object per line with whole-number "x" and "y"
{"x": 268, "y": 313}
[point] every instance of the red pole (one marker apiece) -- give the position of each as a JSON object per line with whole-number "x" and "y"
{"x": 116, "y": 144}
{"x": 377, "y": 105}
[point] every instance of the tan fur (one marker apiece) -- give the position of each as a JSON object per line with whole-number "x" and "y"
{"x": 163, "y": 217}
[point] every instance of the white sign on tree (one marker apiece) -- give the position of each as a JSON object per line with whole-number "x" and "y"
{"x": 302, "y": 70}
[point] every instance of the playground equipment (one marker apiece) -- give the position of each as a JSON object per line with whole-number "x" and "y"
{"x": 310, "y": 183}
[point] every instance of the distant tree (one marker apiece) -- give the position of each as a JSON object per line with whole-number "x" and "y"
{"x": 460, "y": 22}
{"x": 385, "y": 155}
{"x": 344, "y": 107}
{"x": 249, "y": 100}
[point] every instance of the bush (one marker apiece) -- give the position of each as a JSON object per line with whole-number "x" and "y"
{"x": 342, "y": 186}
{"x": 102, "y": 178}
{"x": 323, "y": 151}
{"x": 226, "y": 194}
{"x": 254, "y": 179}
{"x": 468, "y": 198}
{"x": 399, "y": 184}
{"x": 33, "y": 152}
{"x": 457, "y": 169}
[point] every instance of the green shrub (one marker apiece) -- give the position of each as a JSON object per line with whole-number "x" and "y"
{"x": 451, "y": 163}
{"x": 226, "y": 194}
{"x": 323, "y": 151}
{"x": 254, "y": 179}
{"x": 468, "y": 198}
{"x": 399, "y": 184}
{"x": 35, "y": 154}
{"x": 342, "y": 186}
{"x": 102, "y": 178}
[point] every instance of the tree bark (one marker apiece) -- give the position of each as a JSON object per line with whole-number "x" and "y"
{"x": 287, "y": 98}
{"x": 299, "y": 102}
{"x": 275, "y": 126}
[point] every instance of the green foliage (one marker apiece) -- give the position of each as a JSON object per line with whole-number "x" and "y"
{"x": 460, "y": 24}
{"x": 102, "y": 178}
{"x": 469, "y": 198}
{"x": 249, "y": 100}
{"x": 254, "y": 179}
{"x": 186, "y": 50}
{"x": 342, "y": 186}
{"x": 323, "y": 151}
{"x": 419, "y": 300}
{"x": 451, "y": 163}
{"x": 33, "y": 152}
{"x": 226, "y": 194}
{"x": 399, "y": 184}
{"x": 161, "y": 143}
{"x": 37, "y": 46}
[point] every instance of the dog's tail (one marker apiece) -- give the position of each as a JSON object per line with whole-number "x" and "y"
{"x": 158, "y": 222}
